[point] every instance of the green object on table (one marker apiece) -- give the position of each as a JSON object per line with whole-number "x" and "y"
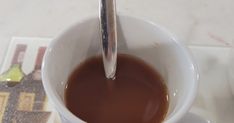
{"x": 14, "y": 74}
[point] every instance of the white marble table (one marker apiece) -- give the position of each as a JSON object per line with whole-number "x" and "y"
{"x": 206, "y": 26}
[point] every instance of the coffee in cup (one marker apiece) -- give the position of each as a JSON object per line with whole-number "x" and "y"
{"x": 137, "y": 37}
{"x": 137, "y": 94}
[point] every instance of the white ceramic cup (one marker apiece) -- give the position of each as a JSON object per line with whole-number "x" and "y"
{"x": 137, "y": 37}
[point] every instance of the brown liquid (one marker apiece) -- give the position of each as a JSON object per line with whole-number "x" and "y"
{"x": 136, "y": 95}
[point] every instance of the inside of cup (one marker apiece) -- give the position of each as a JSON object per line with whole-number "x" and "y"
{"x": 136, "y": 37}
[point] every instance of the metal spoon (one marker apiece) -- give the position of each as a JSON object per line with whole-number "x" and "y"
{"x": 108, "y": 26}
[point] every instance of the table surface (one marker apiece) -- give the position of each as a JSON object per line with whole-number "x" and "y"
{"x": 206, "y": 26}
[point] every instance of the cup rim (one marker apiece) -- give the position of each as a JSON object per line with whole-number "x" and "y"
{"x": 69, "y": 115}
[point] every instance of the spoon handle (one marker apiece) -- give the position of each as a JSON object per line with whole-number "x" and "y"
{"x": 108, "y": 26}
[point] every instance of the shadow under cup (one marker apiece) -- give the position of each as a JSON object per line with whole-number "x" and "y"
{"x": 137, "y": 37}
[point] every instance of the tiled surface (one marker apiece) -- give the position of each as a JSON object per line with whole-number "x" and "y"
{"x": 25, "y": 101}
